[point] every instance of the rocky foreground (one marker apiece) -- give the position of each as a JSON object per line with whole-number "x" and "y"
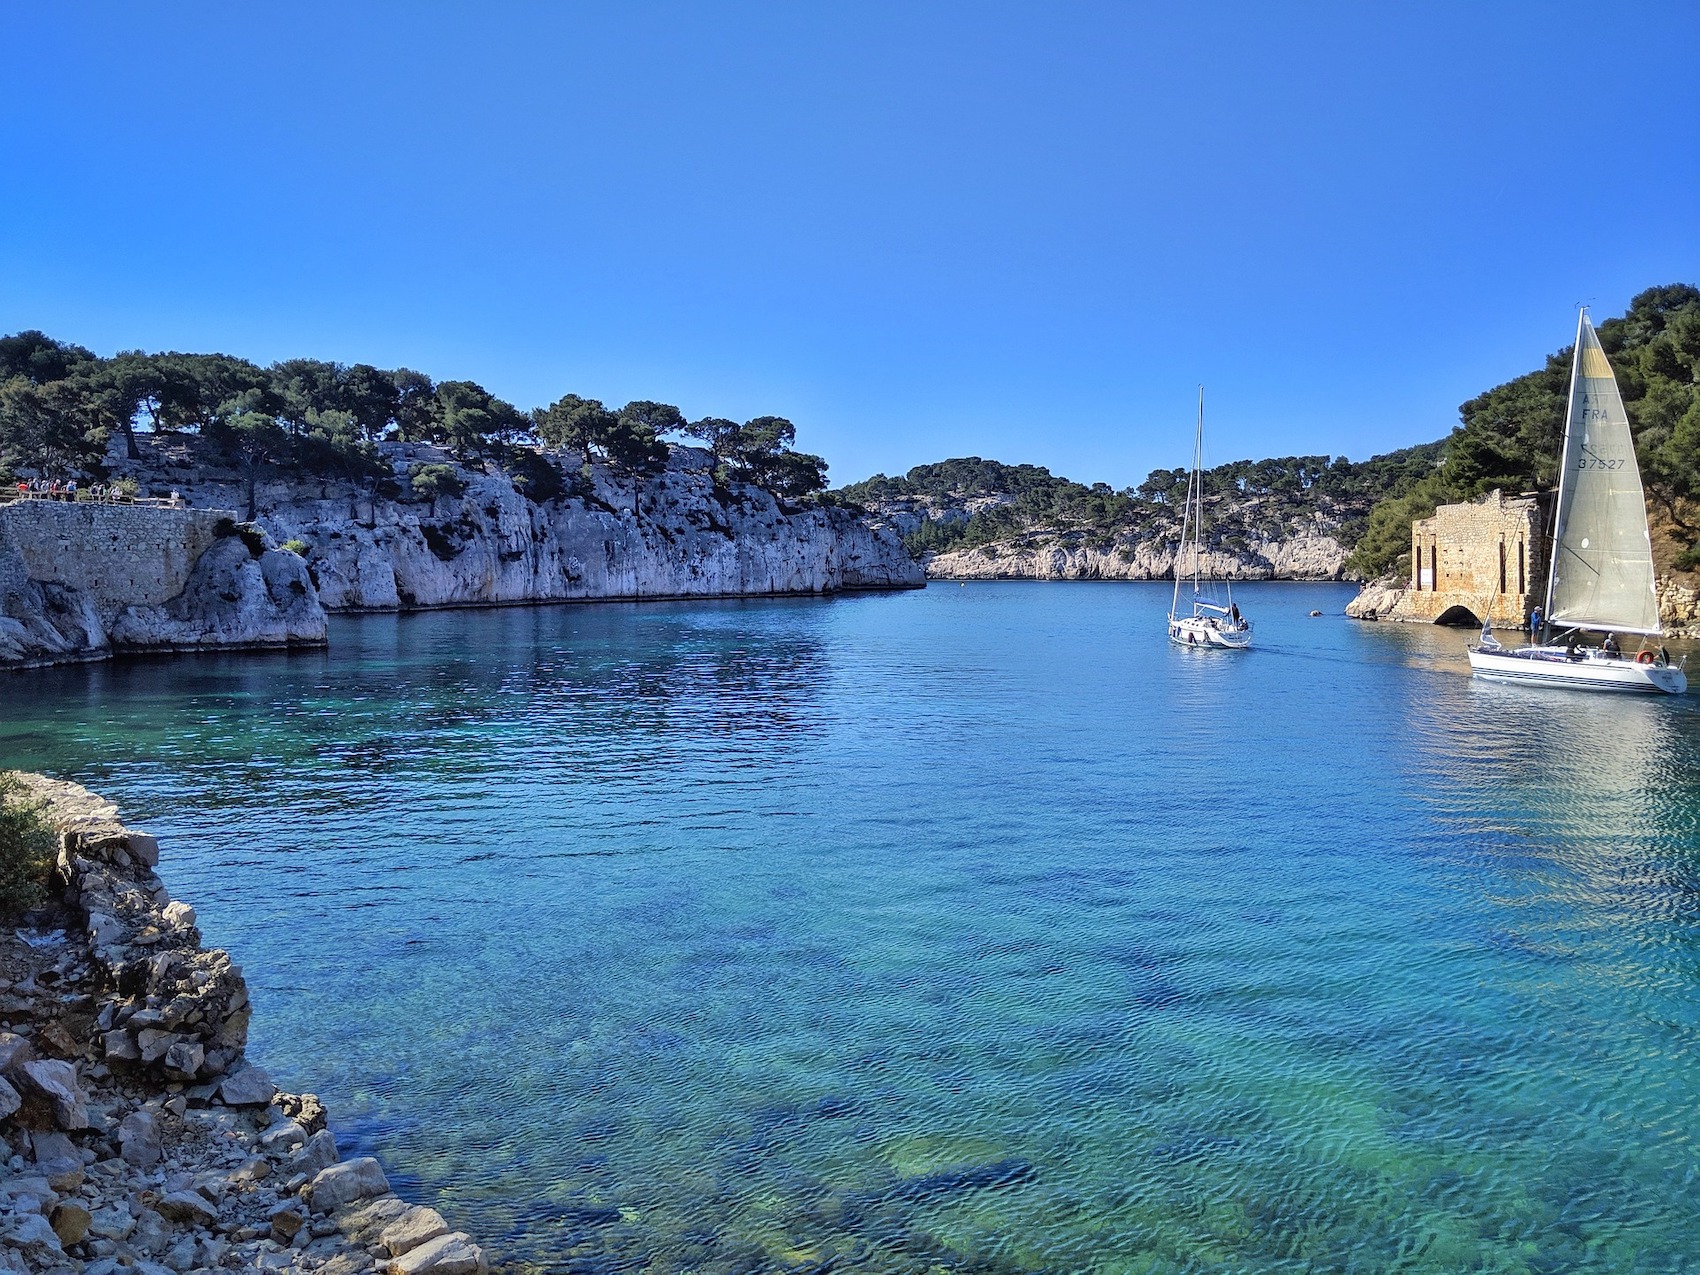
{"x": 135, "y": 1137}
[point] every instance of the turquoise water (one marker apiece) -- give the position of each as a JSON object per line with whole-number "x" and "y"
{"x": 974, "y": 929}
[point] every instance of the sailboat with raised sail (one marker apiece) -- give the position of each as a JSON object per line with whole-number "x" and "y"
{"x": 1214, "y": 621}
{"x": 1601, "y": 575}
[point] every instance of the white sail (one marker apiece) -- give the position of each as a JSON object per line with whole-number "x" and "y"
{"x": 1602, "y": 557}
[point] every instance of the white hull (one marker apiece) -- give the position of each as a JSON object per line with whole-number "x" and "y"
{"x": 1552, "y": 666}
{"x": 1203, "y": 630}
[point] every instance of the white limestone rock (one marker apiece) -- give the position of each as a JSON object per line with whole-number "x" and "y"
{"x": 318, "y": 1154}
{"x": 686, "y": 538}
{"x": 412, "y": 1229}
{"x": 250, "y": 1087}
{"x": 344, "y": 1183}
{"x": 452, "y": 1254}
{"x": 139, "y": 1139}
{"x": 236, "y": 596}
{"x": 56, "y": 1081}
{"x": 189, "y": 1207}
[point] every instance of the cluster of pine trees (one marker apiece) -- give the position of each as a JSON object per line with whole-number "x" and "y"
{"x": 60, "y": 405}
{"x": 1510, "y": 437}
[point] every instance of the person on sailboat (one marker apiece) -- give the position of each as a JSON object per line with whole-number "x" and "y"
{"x": 1535, "y": 618}
{"x": 1609, "y": 648}
{"x": 1234, "y": 610}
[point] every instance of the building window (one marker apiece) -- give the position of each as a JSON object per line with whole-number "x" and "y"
{"x": 1434, "y": 563}
{"x": 1522, "y": 583}
{"x": 1502, "y": 566}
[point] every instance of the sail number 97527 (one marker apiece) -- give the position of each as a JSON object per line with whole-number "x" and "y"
{"x": 1600, "y": 462}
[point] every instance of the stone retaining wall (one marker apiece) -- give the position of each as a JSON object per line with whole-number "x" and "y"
{"x": 118, "y": 555}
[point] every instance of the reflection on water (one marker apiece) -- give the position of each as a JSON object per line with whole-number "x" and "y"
{"x": 976, "y": 929}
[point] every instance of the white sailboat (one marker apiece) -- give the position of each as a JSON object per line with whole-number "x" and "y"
{"x": 1601, "y": 576}
{"x": 1213, "y": 621}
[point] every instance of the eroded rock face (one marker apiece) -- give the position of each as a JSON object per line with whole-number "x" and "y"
{"x": 243, "y": 593}
{"x": 1311, "y": 555}
{"x": 1377, "y": 599}
{"x": 675, "y": 534}
{"x": 233, "y": 587}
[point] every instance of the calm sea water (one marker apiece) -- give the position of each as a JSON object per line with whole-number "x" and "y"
{"x": 975, "y": 929}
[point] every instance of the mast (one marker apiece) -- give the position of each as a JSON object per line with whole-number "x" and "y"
{"x": 1187, "y": 522}
{"x": 1198, "y": 511}
{"x": 1563, "y": 469}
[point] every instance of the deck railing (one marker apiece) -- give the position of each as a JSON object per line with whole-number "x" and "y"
{"x": 12, "y": 496}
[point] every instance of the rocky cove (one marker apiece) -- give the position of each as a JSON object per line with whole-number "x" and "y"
{"x": 135, "y": 1135}
{"x": 81, "y": 581}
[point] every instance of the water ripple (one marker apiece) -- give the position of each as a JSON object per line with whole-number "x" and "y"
{"x": 972, "y": 930}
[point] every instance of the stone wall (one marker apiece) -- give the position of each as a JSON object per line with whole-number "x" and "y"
{"x": 118, "y": 555}
{"x": 79, "y": 581}
{"x": 1473, "y": 562}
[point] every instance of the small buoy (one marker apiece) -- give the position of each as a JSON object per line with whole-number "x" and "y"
{"x": 1316, "y": 613}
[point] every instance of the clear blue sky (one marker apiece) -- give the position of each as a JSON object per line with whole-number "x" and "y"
{"x": 918, "y": 230}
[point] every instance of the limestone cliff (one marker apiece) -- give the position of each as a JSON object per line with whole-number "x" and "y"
{"x": 80, "y": 581}
{"x": 679, "y": 533}
{"x": 1307, "y": 553}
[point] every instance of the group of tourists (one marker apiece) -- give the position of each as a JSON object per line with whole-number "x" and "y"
{"x": 70, "y": 492}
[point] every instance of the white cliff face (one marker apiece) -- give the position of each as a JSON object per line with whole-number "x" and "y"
{"x": 241, "y": 593}
{"x": 677, "y": 535}
{"x": 1307, "y": 555}
{"x": 82, "y": 581}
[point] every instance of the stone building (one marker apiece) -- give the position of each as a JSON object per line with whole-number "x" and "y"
{"x": 1483, "y": 560}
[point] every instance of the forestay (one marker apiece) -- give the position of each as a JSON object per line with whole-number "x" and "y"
{"x": 1602, "y": 565}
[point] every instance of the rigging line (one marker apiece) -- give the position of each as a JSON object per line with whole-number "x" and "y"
{"x": 1567, "y": 549}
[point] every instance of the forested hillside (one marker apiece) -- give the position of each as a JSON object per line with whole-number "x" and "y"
{"x": 1510, "y": 436}
{"x": 61, "y": 405}
{"x": 967, "y": 503}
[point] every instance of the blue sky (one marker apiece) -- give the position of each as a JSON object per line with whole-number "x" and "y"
{"x": 918, "y": 230}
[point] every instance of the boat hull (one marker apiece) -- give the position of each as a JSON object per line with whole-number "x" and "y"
{"x": 1203, "y": 631}
{"x": 1552, "y": 666}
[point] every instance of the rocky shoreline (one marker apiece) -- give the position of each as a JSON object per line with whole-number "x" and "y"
{"x": 1679, "y": 606}
{"x": 135, "y": 1136}
{"x": 1312, "y": 553}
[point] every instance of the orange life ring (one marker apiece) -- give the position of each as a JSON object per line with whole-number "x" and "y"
{"x": 1644, "y": 657}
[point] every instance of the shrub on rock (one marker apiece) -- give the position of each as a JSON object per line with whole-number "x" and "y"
{"x": 27, "y": 846}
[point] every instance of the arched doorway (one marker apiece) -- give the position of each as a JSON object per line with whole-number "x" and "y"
{"x": 1458, "y": 617}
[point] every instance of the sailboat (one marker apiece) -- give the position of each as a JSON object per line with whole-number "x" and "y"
{"x": 1600, "y": 579}
{"x": 1212, "y": 621}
